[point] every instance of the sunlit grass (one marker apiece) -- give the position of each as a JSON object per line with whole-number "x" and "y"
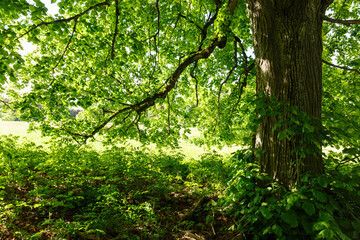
{"x": 18, "y": 128}
{"x": 190, "y": 150}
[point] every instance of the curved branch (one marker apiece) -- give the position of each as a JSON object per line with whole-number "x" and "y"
{"x": 148, "y": 102}
{"x": 107, "y": 2}
{"x": 345, "y": 22}
{"x": 67, "y": 46}
{"x": 341, "y": 67}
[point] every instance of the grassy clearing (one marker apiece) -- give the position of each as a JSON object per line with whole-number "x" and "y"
{"x": 18, "y": 128}
{"x": 190, "y": 150}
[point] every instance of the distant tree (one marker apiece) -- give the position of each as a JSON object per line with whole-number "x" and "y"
{"x": 117, "y": 59}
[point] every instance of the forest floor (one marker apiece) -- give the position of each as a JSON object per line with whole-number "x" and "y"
{"x": 126, "y": 192}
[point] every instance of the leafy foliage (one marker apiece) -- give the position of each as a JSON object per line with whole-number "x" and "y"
{"x": 65, "y": 191}
{"x": 325, "y": 207}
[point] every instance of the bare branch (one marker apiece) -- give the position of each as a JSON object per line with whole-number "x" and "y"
{"x": 341, "y": 67}
{"x": 150, "y": 101}
{"x": 345, "y": 22}
{"x": 107, "y": 2}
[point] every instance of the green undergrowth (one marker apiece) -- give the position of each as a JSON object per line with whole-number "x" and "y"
{"x": 65, "y": 191}
{"x": 322, "y": 207}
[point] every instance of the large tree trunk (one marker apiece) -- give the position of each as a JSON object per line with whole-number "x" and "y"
{"x": 288, "y": 48}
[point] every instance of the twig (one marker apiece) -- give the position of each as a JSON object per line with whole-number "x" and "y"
{"x": 191, "y": 21}
{"x": 6, "y": 103}
{"x": 341, "y": 67}
{"x": 66, "y": 48}
{"x": 135, "y": 122}
{"x": 229, "y": 74}
{"x": 107, "y": 2}
{"x": 345, "y": 22}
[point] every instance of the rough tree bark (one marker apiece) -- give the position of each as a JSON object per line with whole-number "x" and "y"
{"x": 287, "y": 37}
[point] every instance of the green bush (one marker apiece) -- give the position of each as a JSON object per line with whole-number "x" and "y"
{"x": 325, "y": 207}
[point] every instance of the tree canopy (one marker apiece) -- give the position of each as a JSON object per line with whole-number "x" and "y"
{"x": 146, "y": 69}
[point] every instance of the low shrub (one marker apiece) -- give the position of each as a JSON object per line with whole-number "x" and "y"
{"x": 325, "y": 207}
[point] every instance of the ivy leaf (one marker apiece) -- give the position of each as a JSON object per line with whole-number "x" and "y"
{"x": 321, "y": 225}
{"x": 320, "y": 196}
{"x": 266, "y": 212}
{"x": 290, "y": 218}
{"x": 309, "y": 208}
{"x": 326, "y": 234}
{"x": 323, "y": 181}
{"x": 282, "y": 135}
{"x": 277, "y": 230}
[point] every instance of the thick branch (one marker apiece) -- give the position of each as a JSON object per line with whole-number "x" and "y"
{"x": 341, "y": 67}
{"x": 345, "y": 22}
{"x": 107, "y": 2}
{"x": 170, "y": 84}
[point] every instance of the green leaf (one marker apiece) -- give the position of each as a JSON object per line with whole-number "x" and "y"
{"x": 326, "y": 216}
{"x": 291, "y": 200}
{"x": 282, "y": 135}
{"x": 277, "y": 230}
{"x": 321, "y": 225}
{"x": 308, "y": 227}
{"x": 309, "y": 208}
{"x": 308, "y": 128}
{"x": 356, "y": 225}
{"x": 320, "y": 196}
{"x": 257, "y": 199}
{"x": 266, "y": 212}
{"x": 323, "y": 181}
{"x": 326, "y": 234}
{"x": 290, "y": 218}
